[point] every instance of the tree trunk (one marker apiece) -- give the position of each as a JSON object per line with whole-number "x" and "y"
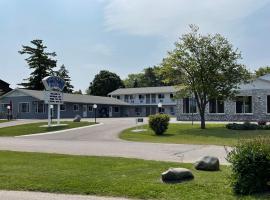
{"x": 203, "y": 119}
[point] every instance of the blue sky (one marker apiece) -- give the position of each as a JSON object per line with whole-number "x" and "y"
{"x": 124, "y": 36}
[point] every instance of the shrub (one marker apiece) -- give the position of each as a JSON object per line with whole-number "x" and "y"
{"x": 159, "y": 123}
{"x": 250, "y": 163}
{"x": 244, "y": 126}
{"x": 262, "y": 123}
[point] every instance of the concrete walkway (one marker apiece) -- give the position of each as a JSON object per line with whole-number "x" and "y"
{"x": 20, "y": 195}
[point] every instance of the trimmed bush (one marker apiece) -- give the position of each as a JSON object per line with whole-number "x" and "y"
{"x": 250, "y": 163}
{"x": 244, "y": 126}
{"x": 159, "y": 123}
{"x": 262, "y": 123}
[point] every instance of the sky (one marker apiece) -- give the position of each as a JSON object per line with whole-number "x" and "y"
{"x": 124, "y": 36}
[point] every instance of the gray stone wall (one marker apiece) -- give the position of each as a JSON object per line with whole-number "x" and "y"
{"x": 259, "y": 109}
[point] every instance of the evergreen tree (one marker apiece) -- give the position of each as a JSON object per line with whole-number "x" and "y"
{"x": 41, "y": 62}
{"x": 63, "y": 73}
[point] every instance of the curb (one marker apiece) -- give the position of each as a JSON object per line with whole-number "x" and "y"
{"x": 61, "y": 131}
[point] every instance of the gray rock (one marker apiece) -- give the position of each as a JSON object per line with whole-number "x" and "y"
{"x": 77, "y": 118}
{"x": 176, "y": 175}
{"x": 207, "y": 163}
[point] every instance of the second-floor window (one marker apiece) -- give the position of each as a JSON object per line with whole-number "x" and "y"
{"x": 243, "y": 104}
{"x": 189, "y": 105}
{"x": 216, "y": 106}
{"x": 161, "y": 96}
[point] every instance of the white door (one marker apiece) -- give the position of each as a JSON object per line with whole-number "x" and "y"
{"x": 110, "y": 111}
{"x": 84, "y": 110}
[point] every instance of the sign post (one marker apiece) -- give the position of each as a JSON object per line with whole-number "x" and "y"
{"x": 53, "y": 95}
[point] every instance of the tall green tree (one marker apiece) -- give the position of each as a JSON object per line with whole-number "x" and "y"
{"x": 41, "y": 62}
{"x": 209, "y": 66}
{"x": 262, "y": 71}
{"x": 134, "y": 80}
{"x": 104, "y": 83}
{"x": 64, "y": 74}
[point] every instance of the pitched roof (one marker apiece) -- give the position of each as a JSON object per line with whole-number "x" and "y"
{"x": 145, "y": 90}
{"x": 74, "y": 98}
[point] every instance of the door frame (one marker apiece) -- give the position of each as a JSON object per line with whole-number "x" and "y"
{"x": 84, "y": 110}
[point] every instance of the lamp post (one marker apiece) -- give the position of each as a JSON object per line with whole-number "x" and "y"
{"x": 8, "y": 108}
{"x": 159, "y": 107}
{"x": 95, "y": 107}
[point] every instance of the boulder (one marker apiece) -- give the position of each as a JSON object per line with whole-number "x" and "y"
{"x": 207, "y": 163}
{"x": 174, "y": 175}
{"x": 77, "y": 118}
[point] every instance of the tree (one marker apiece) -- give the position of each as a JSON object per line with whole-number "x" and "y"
{"x": 41, "y": 62}
{"x": 63, "y": 73}
{"x": 104, "y": 83}
{"x": 262, "y": 71}
{"x": 209, "y": 67}
{"x": 77, "y": 92}
{"x": 150, "y": 78}
{"x": 134, "y": 80}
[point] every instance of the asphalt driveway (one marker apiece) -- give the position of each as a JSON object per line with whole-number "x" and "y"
{"x": 102, "y": 140}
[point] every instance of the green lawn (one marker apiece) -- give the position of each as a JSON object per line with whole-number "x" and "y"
{"x": 32, "y": 128}
{"x": 3, "y": 120}
{"x": 107, "y": 176}
{"x": 187, "y": 134}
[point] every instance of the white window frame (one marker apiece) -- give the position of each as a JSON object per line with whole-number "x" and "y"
{"x": 20, "y": 106}
{"x": 43, "y": 110}
{"x": 76, "y": 109}
{"x": 216, "y": 113}
{"x": 244, "y": 113}
{"x": 189, "y": 113}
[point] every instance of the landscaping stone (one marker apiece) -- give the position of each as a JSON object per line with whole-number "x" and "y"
{"x": 176, "y": 175}
{"x": 207, "y": 163}
{"x": 77, "y": 118}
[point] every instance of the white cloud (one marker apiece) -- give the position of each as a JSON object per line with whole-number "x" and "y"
{"x": 169, "y": 17}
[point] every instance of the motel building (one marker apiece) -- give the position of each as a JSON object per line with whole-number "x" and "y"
{"x": 252, "y": 103}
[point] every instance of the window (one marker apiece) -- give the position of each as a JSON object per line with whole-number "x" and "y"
{"x": 40, "y": 107}
{"x": 244, "y": 104}
{"x": 62, "y": 107}
{"x": 117, "y": 97}
{"x": 116, "y": 109}
{"x": 161, "y": 110}
{"x": 216, "y": 106}
{"x": 24, "y": 107}
{"x": 172, "y": 110}
{"x": 4, "y": 107}
{"x": 138, "y": 110}
{"x": 268, "y": 103}
{"x": 189, "y": 105}
{"x": 90, "y": 108}
{"x": 141, "y": 97}
{"x": 171, "y": 95}
{"x": 161, "y": 96}
{"x": 75, "y": 107}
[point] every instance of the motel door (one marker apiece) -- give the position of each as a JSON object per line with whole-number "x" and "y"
{"x": 110, "y": 111}
{"x": 84, "y": 110}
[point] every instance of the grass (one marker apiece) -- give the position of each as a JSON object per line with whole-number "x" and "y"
{"x": 215, "y": 134}
{"x": 109, "y": 176}
{"x": 33, "y": 128}
{"x": 3, "y": 120}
